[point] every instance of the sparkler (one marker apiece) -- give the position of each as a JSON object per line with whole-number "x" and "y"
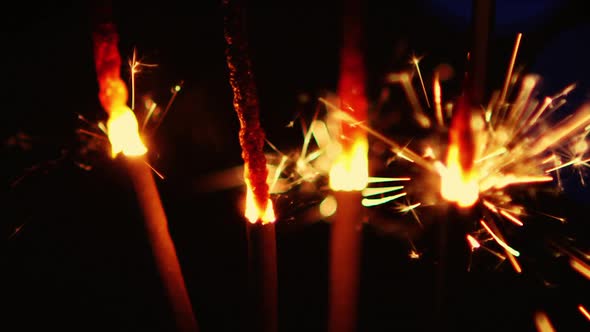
{"x": 517, "y": 145}
{"x": 123, "y": 133}
{"x": 348, "y": 177}
{"x": 262, "y": 237}
{"x": 495, "y": 165}
{"x": 458, "y": 182}
{"x": 513, "y": 146}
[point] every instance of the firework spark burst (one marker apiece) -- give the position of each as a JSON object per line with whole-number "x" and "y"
{"x": 517, "y": 147}
{"x": 150, "y": 112}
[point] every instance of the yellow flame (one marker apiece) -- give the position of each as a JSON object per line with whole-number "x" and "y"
{"x": 254, "y": 212}
{"x": 350, "y": 171}
{"x": 123, "y": 133}
{"x": 473, "y": 243}
{"x": 457, "y": 185}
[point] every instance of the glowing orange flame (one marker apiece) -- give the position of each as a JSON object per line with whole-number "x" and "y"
{"x": 473, "y": 243}
{"x": 122, "y": 125}
{"x": 350, "y": 171}
{"x": 123, "y": 133}
{"x": 254, "y": 212}
{"x": 456, "y": 184}
{"x": 458, "y": 178}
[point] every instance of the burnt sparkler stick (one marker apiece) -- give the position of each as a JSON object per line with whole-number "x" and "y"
{"x": 348, "y": 177}
{"x": 162, "y": 243}
{"x": 259, "y": 210}
{"x": 453, "y": 260}
{"x": 483, "y": 18}
{"x": 262, "y": 268}
{"x": 124, "y": 137}
{"x": 469, "y": 104}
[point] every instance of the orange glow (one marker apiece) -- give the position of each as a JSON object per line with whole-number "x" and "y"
{"x": 457, "y": 185}
{"x": 542, "y": 323}
{"x": 350, "y": 171}
{"x": 514, "y": 262}
{"x": 122, "y": 127}
{"x": 437, "y": 99}
{"x": 490, "y": 206}
{"x": 254, "y": 212}
{"x": 584, "y": 311}
{"x": 512, "y": 218}
{"x": 473, "y": 243}
{"x": 459, "y": 180}
{"x": 123, "y": 133}
{"x": 581, "y": 267}
{"x": 499, "y": 240}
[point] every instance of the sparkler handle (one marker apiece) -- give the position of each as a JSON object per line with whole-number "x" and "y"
{"x": 245, "y": 100}
{"x": 162, "y": 245}
{"x": 262, "y": 251}
{"x": 452, "y": 266}
{"x": 345, "y": 247}
{"x": 483, "y": 15}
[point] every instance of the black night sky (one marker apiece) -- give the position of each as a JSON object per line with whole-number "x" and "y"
{"x": 79, "y": 259}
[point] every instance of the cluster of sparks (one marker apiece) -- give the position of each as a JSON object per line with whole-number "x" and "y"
{"x": 515, "y": 146}
{"x": 122, "y": 130}
{"x": 511, "y": 144}
{"x": 508, "y": 143}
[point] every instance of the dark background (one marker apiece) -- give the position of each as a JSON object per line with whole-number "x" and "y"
{"x": 80, "y": 261}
